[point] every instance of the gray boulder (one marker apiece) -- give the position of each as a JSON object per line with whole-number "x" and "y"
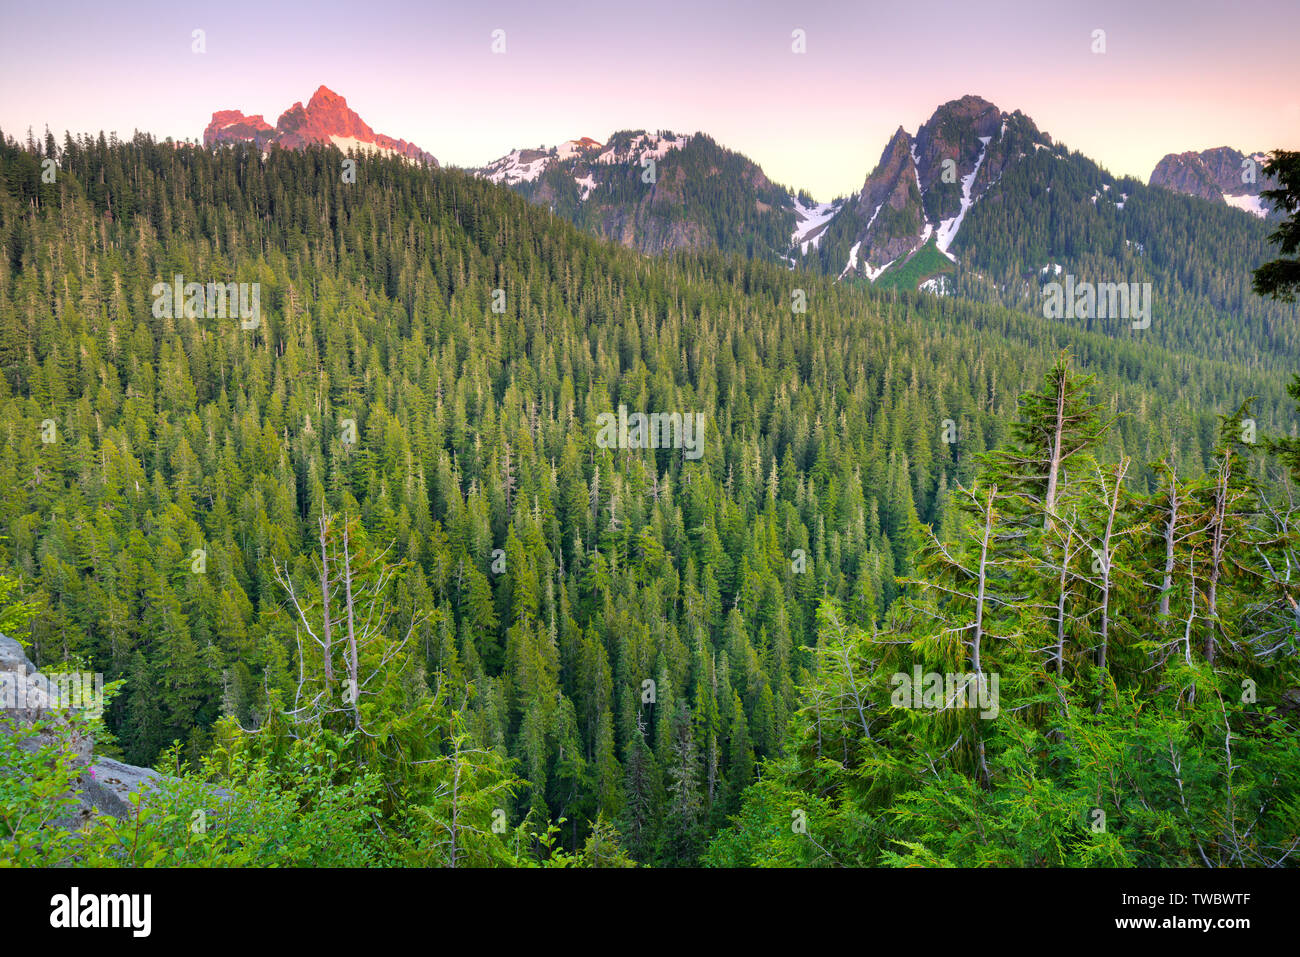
{"x": 107, "y": 785}
{"x": 13, "y": 658}
{"x": 25, "y": 699}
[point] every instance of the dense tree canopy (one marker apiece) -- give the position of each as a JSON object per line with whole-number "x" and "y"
{"x": 377, "y": 524}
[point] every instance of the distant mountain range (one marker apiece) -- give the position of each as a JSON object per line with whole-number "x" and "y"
{"x": 909, "y": 224}
{"x": 978, "y": 202}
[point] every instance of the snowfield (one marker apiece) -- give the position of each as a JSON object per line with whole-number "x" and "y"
{"x": 810, "y": 221}
{"x": 511, "y": 168}
{"x": 644, "y": 146}
{"x": 1255, "y": 205}
{"x": 346, "y": 143}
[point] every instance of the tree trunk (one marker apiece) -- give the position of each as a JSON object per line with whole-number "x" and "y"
{"x": 1170, "y": 526}
{"x": 1054, "y": 467}
{"x": 325, "y": 607}
{"x": 353, "y": 690}
{"x": 1060, "y": 604}
{"x": 1216, "y": 554}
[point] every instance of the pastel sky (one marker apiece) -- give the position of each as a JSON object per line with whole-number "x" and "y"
{"x": 1176, "y": 75}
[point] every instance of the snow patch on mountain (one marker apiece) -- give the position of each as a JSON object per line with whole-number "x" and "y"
{"x": 519, "y": 166}
{"x": 916, "y": 169}
{"x": 948, "y": 228}
{"x": 874, "y": 215}
{"x": 571, "y": 148}
{"x": 810, "y": 222}
{"x": 527, "y": 165}
{"x": 644, "y": 146}
{"x": 867, "y": 270}
{"x": 938, "y": 286}
{"x": 874, "y": 274}
{"x": 1255, "y": 205}
{"x": 346, "y": 143}
{"x": 853, "y": 259}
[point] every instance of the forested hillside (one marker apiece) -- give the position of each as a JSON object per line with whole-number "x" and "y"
{"x": 528, "y": 627}
{"x": 1065, "y": 211}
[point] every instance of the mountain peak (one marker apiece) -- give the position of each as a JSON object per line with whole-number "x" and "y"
{"x": 969, "y": 111}
{"x": 923, "y": 185}
{"x": 970, "y": 102}
{"x": 229, "y": 126}
{"x": 325, "y": 119}
{"x": 325, "y": 98}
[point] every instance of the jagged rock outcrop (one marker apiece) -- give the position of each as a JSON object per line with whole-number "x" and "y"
{"x": 232, "y": 126}
{"x": 25, "y": 699}
{"x": 1221, "y": 175}
{"x": 892, "y": 191}
{"x": 326, "y": 118}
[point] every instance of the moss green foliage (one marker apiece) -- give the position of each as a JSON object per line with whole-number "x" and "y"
{"x": 926, "y": 263}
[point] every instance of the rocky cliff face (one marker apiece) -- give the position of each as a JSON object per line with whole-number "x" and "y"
{"x": 1221, "y": 175}
{"x": 25, "y": 699}
{"x": 892, "y": 190}
{"x": 326, "y": 118}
